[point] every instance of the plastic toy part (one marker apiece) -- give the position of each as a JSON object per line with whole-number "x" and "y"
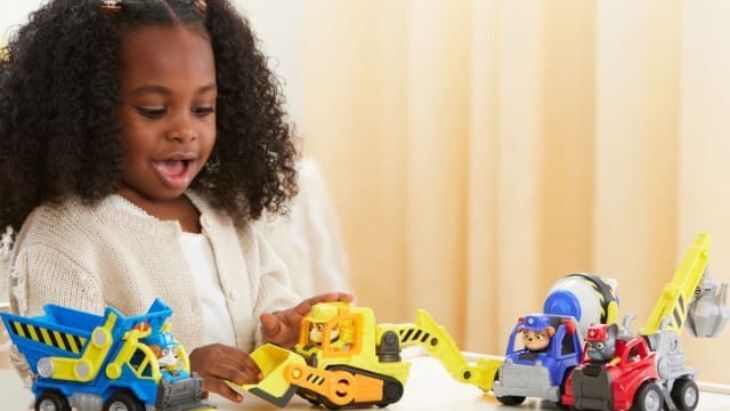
{"x": 691, "y": 286}
{"x": 277, "y": 365}
{"x": 89, "y": 362}
{"x": 345, "y": 360}
{"x": 588, "y": 298}
{"x": 530, "y": 371}
{"x": 708, "y": 312}
{"x": 648, "y": 372}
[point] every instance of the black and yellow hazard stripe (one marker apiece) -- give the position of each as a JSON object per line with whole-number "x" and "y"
{"x": 413, "y": 335}
{"x": 678, "y": 313}
{"x": 315, "y": 379}
{"x": 53, "y": 338}
{"x": 606, "y": 295}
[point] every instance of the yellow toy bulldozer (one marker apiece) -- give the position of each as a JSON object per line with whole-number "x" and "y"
{"x": 344, "y": 359}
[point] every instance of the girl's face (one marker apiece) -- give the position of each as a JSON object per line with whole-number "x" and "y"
{"x": 168, "y": 87}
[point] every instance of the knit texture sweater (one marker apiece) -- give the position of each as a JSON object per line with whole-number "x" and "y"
{"x": 90, "y": 257}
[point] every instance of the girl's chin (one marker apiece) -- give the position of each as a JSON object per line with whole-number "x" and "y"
{"x": 152, "y": 194}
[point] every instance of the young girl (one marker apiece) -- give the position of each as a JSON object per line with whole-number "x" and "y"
{"x": 139, "y": 139}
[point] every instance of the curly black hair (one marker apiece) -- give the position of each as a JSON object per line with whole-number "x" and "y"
{"x": 59, "y": 95}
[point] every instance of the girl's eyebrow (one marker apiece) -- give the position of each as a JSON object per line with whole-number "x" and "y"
{"x": 151, "y": 89}
{"x": 207, "y": 88}
{"x": 156, "y": 89}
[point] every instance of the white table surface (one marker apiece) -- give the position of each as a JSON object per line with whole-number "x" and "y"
{"x": 429, "y": 388}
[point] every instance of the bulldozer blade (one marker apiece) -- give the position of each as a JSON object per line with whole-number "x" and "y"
{"x": 274, "y": 387}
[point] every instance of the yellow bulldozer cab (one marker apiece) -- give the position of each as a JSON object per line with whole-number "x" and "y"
{"x": 339, "y": 331}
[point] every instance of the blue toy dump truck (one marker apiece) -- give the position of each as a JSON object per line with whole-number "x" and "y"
{"x": 108, "y": 362}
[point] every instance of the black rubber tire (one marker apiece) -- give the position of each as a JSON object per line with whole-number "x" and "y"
{"x": 392, "y": 393}
{"x": 511, "y": 400}
{"x": 649, "y": 398}
{"x": 126, "y": 399}
{"x": 329, "y": 404}
{"x": 312, "y": 401}
{"x": 54, "y": 398}
{"x": 685, "y": 394}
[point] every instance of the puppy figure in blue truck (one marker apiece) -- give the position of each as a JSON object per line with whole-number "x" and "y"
{"x": 111, "y": 362}
{"x": 544, "y": 347}
{"x": 551, "y": 346}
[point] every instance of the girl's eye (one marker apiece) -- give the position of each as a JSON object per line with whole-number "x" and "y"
{"x": 203, "y": 111}
{"x": 152, "y": 112}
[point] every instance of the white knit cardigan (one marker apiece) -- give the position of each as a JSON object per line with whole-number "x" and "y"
{"x": 89, "y": 257}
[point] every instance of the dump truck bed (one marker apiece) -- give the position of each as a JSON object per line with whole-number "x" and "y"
{"x": 52, "y": 334}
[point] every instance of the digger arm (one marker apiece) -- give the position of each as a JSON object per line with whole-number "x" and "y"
{"x": 436, "y": 340}
{"x": 680, "y": 292}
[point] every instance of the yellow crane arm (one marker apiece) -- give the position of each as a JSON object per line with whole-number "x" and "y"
{"x": 679, "y": 292}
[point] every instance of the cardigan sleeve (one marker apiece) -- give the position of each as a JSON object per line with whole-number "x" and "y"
{"x": 309, "y": 239}
{"x": 275, "y": 291}
{"x": 41, "y": 275}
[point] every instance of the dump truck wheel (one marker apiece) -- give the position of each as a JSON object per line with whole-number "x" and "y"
{"x": 52, "y": 401}
{"x": 123, "y": 401}
{"x": 685, "y": 394}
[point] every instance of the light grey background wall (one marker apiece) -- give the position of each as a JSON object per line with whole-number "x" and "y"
{"x": 276, "y": 23}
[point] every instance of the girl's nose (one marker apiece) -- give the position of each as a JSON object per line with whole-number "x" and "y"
{"x": 181, "y": 136}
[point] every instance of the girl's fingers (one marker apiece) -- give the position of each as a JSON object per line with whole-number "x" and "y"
{"x": 271, "y": 325}
{"x": 291, "y": 317}
{"x": 279, "y": 329}
{"x": 219, "y": 387}
{"x": 282, "y": 327}
{"x": 240, "y": 358}
{"x": 304, "y": 307}
{"x": 233, "y": 373}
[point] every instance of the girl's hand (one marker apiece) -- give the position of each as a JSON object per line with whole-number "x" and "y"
{"x": 282, "y": 327}
{"x": 216, "y": 363}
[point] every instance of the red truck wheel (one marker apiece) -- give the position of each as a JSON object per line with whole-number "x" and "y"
{"x": 649, "y": 398}
{"x": 685, "y": 394}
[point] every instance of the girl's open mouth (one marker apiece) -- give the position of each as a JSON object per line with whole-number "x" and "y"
{"x": 175, "y": 174}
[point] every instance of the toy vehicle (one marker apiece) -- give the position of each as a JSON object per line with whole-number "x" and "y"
{"x": 647, "y": 372}
{"x": 109, "y": 362}
{"x": 344, "y": 359}
{"x": 527, "y": 373}
{"x": 588, "y": 298}
{"x": 575, "y": 300}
